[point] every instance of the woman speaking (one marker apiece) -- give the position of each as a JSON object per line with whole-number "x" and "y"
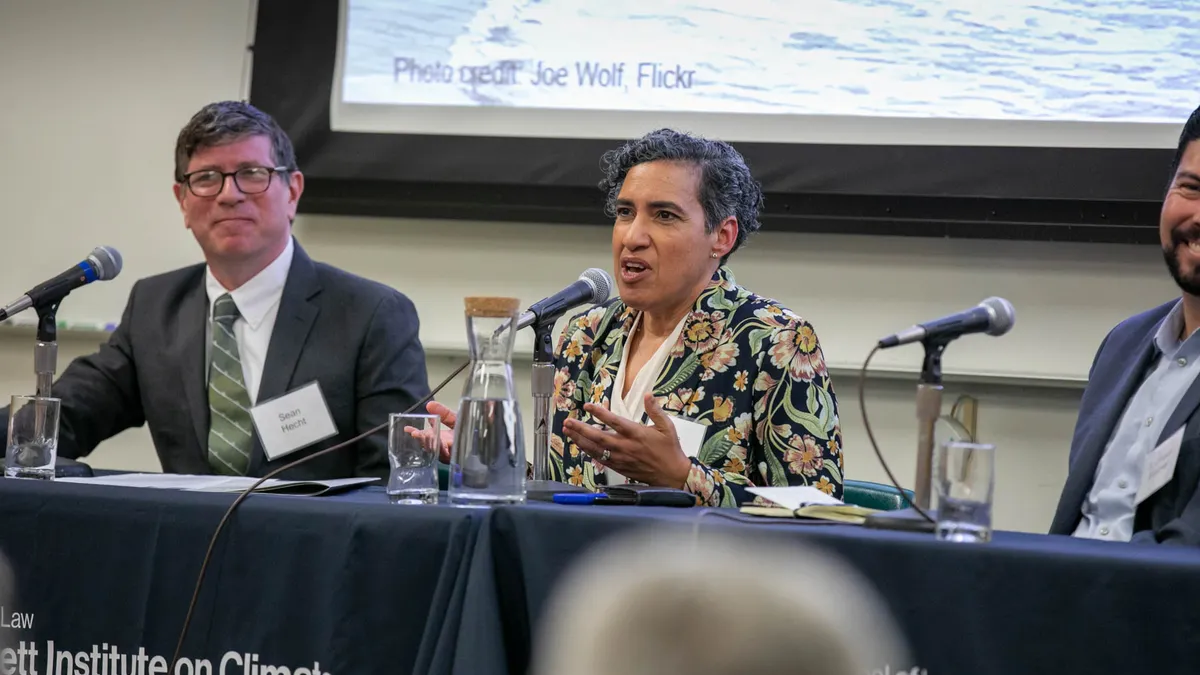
{"x": 688, "y": 380}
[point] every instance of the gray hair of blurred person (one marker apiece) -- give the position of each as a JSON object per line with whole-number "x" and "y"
{"x": 726, "y": 186}
{"x": 227, "y": 122}
{"x": 663, "y": 601}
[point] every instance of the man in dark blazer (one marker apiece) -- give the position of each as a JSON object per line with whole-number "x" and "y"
{"x": 198, "y": 347}
{"x": 1142, "y": 392}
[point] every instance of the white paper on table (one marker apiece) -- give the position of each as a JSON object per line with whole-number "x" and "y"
{"x": 795, "y": 496}
{"x": 171, "y": 481}
{"x": 214, "y": 483}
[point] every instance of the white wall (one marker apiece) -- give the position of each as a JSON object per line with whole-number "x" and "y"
{"x": 89, "y": 119}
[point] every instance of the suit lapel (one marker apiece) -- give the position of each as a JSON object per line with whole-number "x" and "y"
{"x": 1114, "y": 407}
{"x": 610, "y": 348}
{"x": 295, "y": 319}
{"x": 1108, "y": 415}
{"x": 598, "y": 368}
{"x": 1183, "y": 411}
{"x": 190, "y": 337}
{"x": 702, "y": 332}
{"x": 683, "y": 367}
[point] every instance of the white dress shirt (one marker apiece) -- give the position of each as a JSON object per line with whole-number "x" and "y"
{"x": 257, "y": 301}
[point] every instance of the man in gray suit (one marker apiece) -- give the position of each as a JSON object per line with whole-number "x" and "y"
{"x": 198, "y": 347}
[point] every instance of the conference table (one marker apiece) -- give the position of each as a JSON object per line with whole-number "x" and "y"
{"x": 349, "y": 583}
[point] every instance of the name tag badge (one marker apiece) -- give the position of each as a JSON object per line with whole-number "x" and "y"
{"x": 293, "y": 420}
{"x": 691, "y": 435}
{"x": 1159, "y": 467}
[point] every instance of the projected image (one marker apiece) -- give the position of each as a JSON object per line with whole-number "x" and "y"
{"x": 1078, "y": 60}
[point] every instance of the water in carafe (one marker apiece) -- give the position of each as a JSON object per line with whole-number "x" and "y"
{"x": 488, "y": 463}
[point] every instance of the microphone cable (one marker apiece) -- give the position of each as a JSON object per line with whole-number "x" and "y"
{"x": 862, "y": 406}
{"x": 212, "y": 542}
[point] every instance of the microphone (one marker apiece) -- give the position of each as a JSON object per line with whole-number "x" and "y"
{"x": 102, "y": 264}
{"x": 593, "y": 286}
{"x": 994, "y": 316}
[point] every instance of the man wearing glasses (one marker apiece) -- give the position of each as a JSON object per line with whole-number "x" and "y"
{"x": 199, "y": 347}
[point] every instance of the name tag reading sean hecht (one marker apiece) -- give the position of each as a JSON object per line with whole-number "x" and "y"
{"x": 292, "y": 421}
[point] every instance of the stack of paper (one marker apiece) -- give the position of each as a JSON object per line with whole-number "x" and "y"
{"x": 802, "y": 501}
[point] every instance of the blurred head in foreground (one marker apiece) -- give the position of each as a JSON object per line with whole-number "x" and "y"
{"x": 655, "y": 603}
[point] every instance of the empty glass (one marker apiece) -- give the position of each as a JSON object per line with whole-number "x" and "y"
{"x": 488, "y": 464}
{"x": 413, "y": 478}
{"x": 32, "y": 437}
{"x": 964, "y": 479}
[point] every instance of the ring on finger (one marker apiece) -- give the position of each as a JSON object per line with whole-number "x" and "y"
{"x": 605, "y": 455}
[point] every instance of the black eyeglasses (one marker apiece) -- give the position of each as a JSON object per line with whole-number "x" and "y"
{"x": 250, "y": 180}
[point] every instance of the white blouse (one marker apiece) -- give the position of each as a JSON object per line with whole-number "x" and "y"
{"x": 632, "y": 406}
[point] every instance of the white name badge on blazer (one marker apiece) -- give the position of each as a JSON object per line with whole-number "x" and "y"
{"x": 691, "y": 435}
{"x": 1159, "y": 467}
{"x": 293, "y": 420}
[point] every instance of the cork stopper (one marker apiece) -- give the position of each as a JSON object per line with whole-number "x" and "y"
{"x": 492, "y": 307}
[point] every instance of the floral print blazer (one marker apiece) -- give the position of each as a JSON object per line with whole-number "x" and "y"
{"x": 747, "y": 368}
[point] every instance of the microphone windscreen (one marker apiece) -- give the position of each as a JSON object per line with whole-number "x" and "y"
{"x": 107, "y": 261}
{"x": 1002, "y": 315}
{"x": 601, "y": 284}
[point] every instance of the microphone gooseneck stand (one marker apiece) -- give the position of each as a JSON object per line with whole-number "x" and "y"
{"x": 929, "y": 409}
{"x": 542, "y": 388}
{"x": 45, "y": 351}
{"x": 45, "y": 358}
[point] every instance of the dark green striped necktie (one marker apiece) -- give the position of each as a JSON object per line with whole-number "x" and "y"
{"x": 230, "y": 429}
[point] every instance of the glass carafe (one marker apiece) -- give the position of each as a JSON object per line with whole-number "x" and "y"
{"x": 488, "y": 463}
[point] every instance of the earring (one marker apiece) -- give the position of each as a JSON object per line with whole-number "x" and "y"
{"x": 716, "y": 255}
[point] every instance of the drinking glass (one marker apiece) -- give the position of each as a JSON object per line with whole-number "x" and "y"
{"x": 32, "y": 437}
{"x": 964, "y": 478}
{"x": 413, "y": 478}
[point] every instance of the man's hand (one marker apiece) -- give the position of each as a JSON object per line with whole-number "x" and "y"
{"x": 445, "y": 442}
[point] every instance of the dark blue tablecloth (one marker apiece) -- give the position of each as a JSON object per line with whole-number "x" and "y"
{"x": 349, "y": 582}
{"x": 1023, "y": 603}
{"x": 361, "y": 586}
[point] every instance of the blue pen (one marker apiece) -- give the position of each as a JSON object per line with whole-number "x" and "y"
{"x": 577, "y": 497}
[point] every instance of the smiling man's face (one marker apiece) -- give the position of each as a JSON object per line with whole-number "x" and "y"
{"x": 233, "y": 226}
{"x": 1179, "y": 225}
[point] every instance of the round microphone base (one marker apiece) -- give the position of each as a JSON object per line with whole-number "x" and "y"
{"x": 907, "y": 520}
